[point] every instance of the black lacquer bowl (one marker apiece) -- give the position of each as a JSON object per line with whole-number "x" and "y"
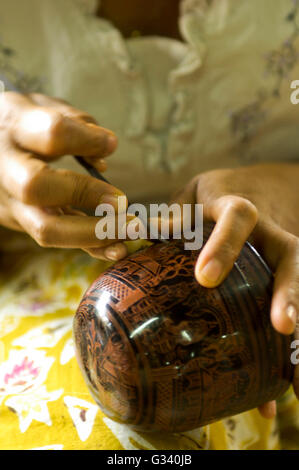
{"x": 161, "y": 353}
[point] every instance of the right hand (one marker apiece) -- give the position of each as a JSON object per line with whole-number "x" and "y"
{"x": 40, "y": 200}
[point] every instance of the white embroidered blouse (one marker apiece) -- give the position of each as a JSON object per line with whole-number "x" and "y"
{"x": 218, "y": 98}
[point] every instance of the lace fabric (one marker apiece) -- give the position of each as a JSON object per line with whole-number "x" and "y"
{"x": 178, "y": 107}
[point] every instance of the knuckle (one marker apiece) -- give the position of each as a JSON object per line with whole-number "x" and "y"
{"x": 217, "y": 176}
{"x": 242, "y": 207}
{"x": 42, "y": 99}
{"x": 80, "y": 187}
{"x": 29, "y": 188}
{"x": 54, "y": 134}
{"x": 79, "y": 194}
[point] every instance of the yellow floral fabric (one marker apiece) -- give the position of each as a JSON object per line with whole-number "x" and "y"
{"x": 44, "y": 402}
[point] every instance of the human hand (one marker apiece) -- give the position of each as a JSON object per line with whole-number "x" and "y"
{"x": 259, "y": 203}
{"x": 46, "y": 202}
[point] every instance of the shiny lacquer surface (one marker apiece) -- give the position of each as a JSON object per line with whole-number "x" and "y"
{"x": 160, "y": 352}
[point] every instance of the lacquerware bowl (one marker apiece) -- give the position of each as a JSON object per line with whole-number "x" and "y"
{"x": 161, "y": 353}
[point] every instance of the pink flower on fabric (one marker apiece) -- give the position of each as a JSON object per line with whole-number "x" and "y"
{"x": 24, "y": 371}
{"x": 21, "y": 373}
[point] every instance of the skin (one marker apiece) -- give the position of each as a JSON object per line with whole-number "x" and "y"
{"x": 46, "y": 203}
{"x": 259, "y": 203}
{"x": 242, "y": 202}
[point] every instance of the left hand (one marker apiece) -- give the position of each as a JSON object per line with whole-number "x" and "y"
{"x": 46, "y": 203}
{"x": 259, "y": 203}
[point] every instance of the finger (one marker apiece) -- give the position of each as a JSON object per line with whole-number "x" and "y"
{"x": 97, "y": 253}
{"x": 235, "y": 219}
{"x": 7, "y": 221}
{"x": 280, "y": 249}
{"x": 61, "y": 105}
{"x": 67, "y": 110}
{"x": 99, "y": 163}
{"x": 59, "y": 231}
{"x": 50, "y": 133}
{"x": 285, "y": 299}
{"x": 33, "y": 182}
{"x": 268, "y": 410}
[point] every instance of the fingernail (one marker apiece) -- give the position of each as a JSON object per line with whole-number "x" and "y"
{"x": 101, "y": 165}
{"x": 212, "y": 271}
{"x": 112, "y": 253}
{"x": 292, "y": 314}
{"x": 111, "y": 144}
